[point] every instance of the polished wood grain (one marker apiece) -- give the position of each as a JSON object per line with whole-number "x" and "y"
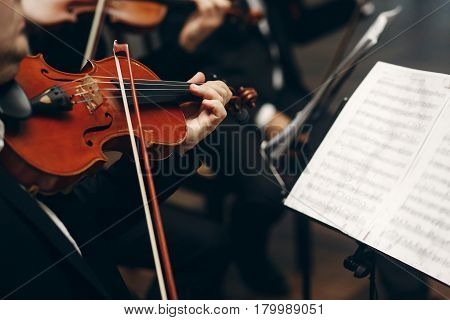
{"x": 57, "y": 150}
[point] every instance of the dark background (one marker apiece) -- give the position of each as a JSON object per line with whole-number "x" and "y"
{"x": 425, "y": 47}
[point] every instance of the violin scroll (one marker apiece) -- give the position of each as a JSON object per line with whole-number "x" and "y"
{"x": 243, "y": 99}
{"x": 247, "y": 16}
{"x": 248, "y": 97}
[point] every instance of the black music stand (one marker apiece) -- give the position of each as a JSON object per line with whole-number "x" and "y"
{"x": 362, "y": 264}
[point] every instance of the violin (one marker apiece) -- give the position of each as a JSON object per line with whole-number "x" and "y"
{"x": 134, "y": 13}
{"x": 78, "y": 116}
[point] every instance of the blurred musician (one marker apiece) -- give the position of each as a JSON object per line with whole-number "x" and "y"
{"x": 261, "y": 54}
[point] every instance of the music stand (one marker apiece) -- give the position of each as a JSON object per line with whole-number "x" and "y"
{"x": 362, "y": 262}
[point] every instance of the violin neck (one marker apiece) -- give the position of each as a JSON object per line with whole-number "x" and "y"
{"x": 159, "y": 92}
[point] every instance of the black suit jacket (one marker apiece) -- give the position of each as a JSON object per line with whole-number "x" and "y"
{"x": 38, "y": 262}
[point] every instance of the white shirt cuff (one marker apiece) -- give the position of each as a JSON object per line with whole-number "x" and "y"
{"x": 265, "y": 114}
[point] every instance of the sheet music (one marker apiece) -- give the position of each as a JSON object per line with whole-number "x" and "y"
{"x": 415, "y": 228}
{"x": 373, "y": 158}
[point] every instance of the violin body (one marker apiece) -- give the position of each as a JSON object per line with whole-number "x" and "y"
{"x": 139, "y": 14}
{"x": 51, "y": 151}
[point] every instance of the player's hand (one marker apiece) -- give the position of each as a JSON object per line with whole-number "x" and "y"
{"x": 205, "y": 119}
{"x": 209, "y": 16}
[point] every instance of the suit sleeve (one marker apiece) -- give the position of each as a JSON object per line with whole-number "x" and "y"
{"x": 115, "y": 196}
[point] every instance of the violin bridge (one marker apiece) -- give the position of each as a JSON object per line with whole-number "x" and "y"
{"x": 90, "y": 92}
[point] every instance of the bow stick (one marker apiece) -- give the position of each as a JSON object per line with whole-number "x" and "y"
{"x": 94, "y": 35}
{"x": 164, "y": 269}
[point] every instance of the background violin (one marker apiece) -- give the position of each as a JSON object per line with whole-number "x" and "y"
{"x": 79, "y": 116}
{"x": 134, "y": 13}
{"x": 144, "y": 14}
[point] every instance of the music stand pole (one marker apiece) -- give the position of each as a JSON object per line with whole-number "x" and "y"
{"x": 362, "y": 264}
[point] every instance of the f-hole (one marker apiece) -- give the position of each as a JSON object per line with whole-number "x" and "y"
{"x": 46, "y": 74}
{"x": 89, "y": 142}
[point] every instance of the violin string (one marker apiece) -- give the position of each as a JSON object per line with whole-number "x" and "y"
{"x": 117, "y": 97}
{"x": 70, "y": 83}
{"x": 147, "y": 83}
{"x": 165, "y": 81}
{"x": 186, "y": 86}
{"x": 143, "y": 80}
{"x": 140, "y": 90}
{"x": 142, "y": 83}
{"x": 138, "y": 83}
{"x": 173, "y": 86}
